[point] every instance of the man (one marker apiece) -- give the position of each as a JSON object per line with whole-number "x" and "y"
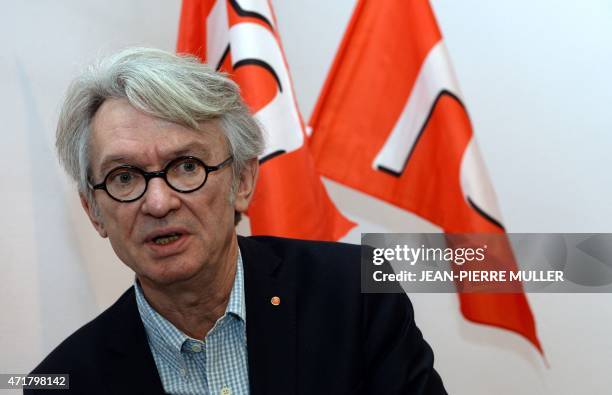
{"x": 164, "y": 153}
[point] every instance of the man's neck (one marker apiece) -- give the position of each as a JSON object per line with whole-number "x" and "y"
{"x": 195, "y": 305}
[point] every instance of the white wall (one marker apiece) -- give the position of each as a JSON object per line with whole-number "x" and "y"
{"x": 535, "y": 77}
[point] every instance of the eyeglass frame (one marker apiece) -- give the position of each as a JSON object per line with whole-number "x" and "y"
{"x": 148, "y": 175}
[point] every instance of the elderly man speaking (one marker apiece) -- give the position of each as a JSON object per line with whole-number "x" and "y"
{"x": 164, "y": 153}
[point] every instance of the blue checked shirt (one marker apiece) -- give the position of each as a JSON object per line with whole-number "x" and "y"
{"x": 216, "y": 365}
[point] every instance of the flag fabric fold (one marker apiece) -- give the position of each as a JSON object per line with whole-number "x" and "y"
{"x": 391, "y": 122}
{"x": 241, "y": 38}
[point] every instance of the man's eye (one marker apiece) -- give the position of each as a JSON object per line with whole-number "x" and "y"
{"x": 123, "y": 178}
{"x": 188, "y": 166}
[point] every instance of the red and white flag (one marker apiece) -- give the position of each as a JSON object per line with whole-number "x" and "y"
{"x": 241, "y": 38}
{"x": 391, "y": 122}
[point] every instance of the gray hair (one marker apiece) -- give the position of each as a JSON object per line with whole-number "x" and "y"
{"x": 175, "y": 88}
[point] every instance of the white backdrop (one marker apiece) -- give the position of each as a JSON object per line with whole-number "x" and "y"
{"x": 536, "y": 81}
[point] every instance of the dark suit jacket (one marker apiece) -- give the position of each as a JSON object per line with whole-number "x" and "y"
{"x": 325, "y": 337}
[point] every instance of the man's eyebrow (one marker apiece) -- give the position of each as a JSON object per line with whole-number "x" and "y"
{"x": 195, "y": 149}
{"x": 114, "y": 159}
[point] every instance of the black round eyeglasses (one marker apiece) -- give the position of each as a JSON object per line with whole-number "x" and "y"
{"x": 184, "y": 174}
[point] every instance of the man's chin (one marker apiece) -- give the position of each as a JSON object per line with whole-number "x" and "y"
{"x": 167, "y": 274}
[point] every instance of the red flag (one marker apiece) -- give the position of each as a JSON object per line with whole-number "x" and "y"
{"x": 241, "y": 38}
{"x": 391, "y": 122}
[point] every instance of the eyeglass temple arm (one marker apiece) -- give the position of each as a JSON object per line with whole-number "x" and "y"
{"x": 220, "y": 165}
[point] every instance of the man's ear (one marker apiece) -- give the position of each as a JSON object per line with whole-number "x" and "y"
{"x": 93, "y": 215}
{"x": 246, "y": 185}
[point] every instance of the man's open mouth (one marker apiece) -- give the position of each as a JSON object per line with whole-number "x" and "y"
{"x": 166, "y": 239}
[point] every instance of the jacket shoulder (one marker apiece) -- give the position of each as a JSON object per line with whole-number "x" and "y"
{"x": 317, "y": 265}
{"x": 314, "y": 252}
{"x": 82, "y": 350}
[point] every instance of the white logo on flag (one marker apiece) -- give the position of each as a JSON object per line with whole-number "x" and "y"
{"x": 435, "y": 78}
{"x": 253, "y": 44}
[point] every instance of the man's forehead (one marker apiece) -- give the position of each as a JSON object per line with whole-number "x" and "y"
{"x": 120, "y": 133}
{"x": 138, "y": 152}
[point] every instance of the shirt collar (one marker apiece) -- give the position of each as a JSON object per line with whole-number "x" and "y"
{"x": 236, "y": 304}
{"x": 167, "y": 338}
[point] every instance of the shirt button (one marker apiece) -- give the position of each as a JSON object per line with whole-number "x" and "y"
{"x": 183, "y": 372}
{"x": 226, "y": 391}
{"x": 196, "y": 348}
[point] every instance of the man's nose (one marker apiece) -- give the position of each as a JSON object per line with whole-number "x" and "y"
{"x": 159, "y": 199}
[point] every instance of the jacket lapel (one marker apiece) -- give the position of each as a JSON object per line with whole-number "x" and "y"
{"x": 271, "y": 328}
{"x": 131, "y": 368}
